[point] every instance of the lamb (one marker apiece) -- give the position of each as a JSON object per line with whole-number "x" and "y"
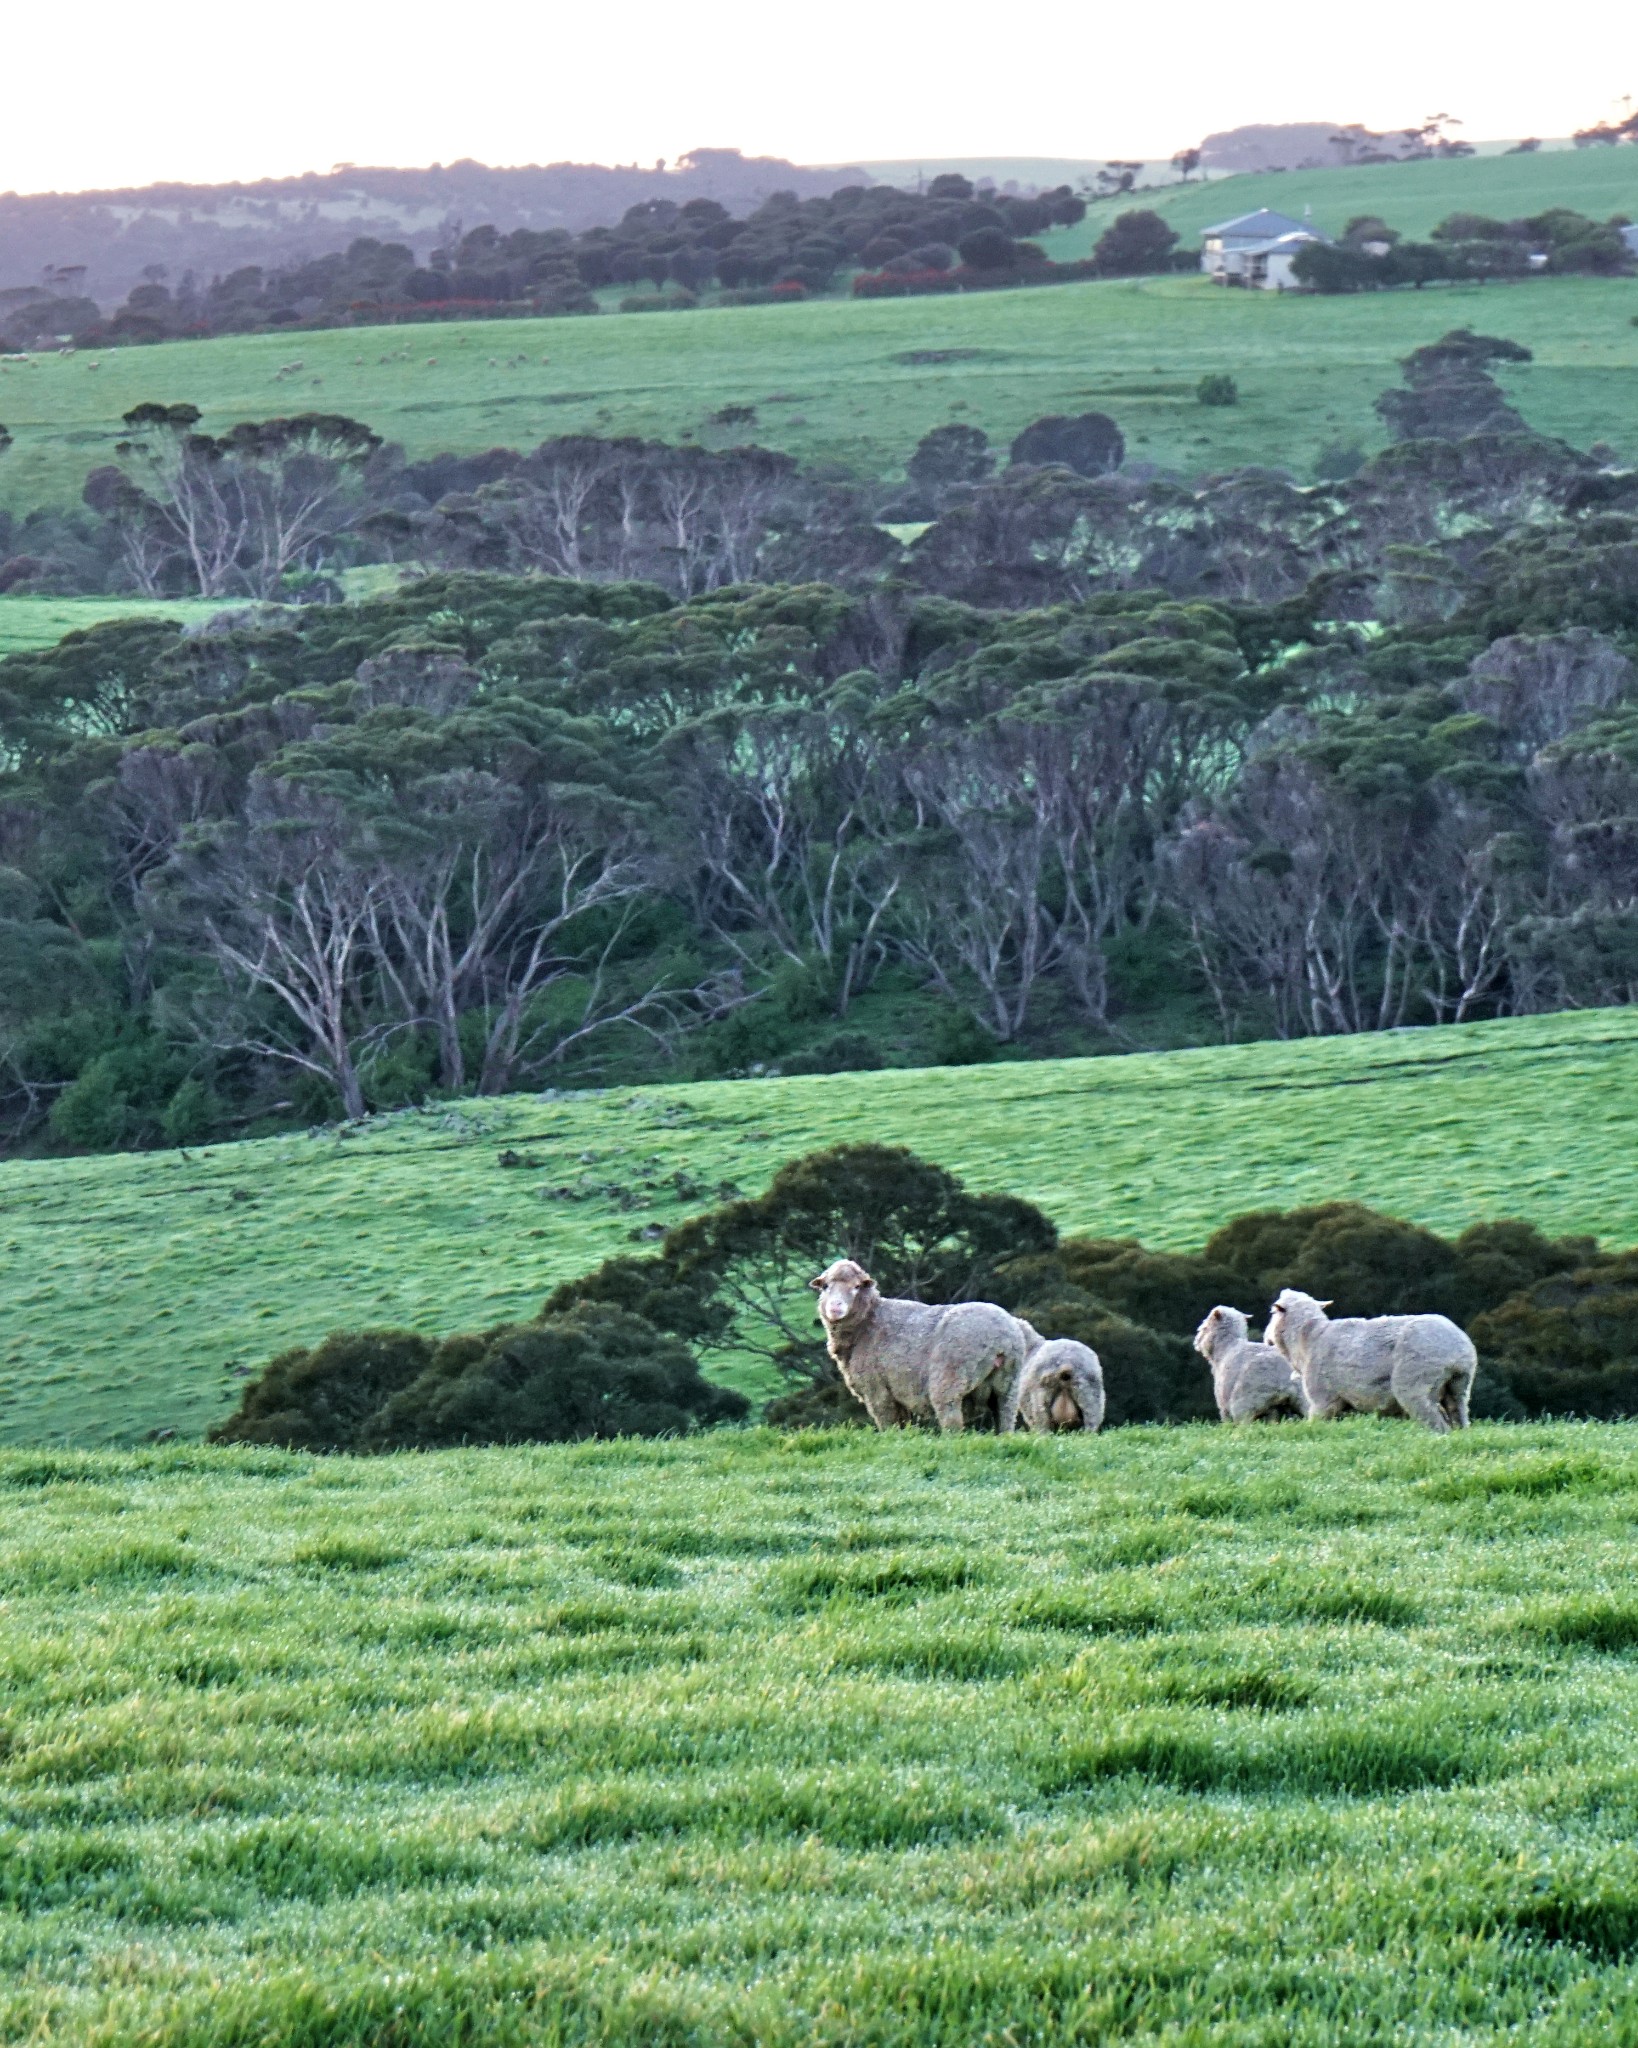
{"x": 1060, "y": 1387}
{"x": 909, "y": 1360}
{"x": 1252, "y": 1382}
{"x": 1420, "y": 1366}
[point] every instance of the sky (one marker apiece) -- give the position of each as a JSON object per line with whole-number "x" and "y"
{"x": 103, "y": 93}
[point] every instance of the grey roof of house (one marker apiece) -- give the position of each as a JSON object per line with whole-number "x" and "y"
{"x": 1263, "y": 226}
{"x": 1630, "y": 237}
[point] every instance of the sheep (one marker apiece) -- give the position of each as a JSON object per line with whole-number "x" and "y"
{"x": 1252, "y": 1382}
{"x": 1060, "y": 1387}
{"x": 910, "y": 1360}
{"x": 1420, "y": 1366}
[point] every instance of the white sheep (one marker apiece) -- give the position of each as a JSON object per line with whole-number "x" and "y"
{"x": 1060, "y": 1387}
{"x": 1420, "y": 1366}
{"x": 911, "y": 1361}
{"x": 1252, "y": 1382}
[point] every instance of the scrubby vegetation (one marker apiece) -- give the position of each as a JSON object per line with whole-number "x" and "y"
{"x": 594, "y": 1371}
{"x": 824, "y": 1738}
{"x": 1467, "y": 248}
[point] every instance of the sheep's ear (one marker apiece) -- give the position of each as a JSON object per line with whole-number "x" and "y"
{"x": 817, "y": 1283}
{"x": 1326, "y": 1304}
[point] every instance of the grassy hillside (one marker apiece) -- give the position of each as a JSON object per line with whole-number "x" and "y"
{"x": 830, "y": 381}
{"x": 27, "y": 622}
{"x": 1411, "y": 197}
{"x": 140, "y": 1288}
{"x": 1184, "y": 1736}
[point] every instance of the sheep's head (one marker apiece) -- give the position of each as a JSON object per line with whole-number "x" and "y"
{"x": 1292, "y": 1309}
{"x": 1223, "y": 1326}
{"x": 847, "y": 1294}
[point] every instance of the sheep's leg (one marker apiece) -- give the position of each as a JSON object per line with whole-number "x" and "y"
{"x": 1456, "y": 1399}
{"x": 1008, "y": 1421}
{"x": 1423, "y": 1408}
{"x": 1326, "y": 1409}
{"x": 884, "y": 1411}
{"x": 946, "y": 1401}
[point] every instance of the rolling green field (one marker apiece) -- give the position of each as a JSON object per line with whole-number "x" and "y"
{"x": 1289, "y": 1737}
{"x": 28, "y": 622}
{"x": 1412, "y": 197}
{"x": 830, "y": 383}
{"x": 141, "y": 1288}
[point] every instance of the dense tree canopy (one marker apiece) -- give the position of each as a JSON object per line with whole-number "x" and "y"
{"x": 685, "y": 763}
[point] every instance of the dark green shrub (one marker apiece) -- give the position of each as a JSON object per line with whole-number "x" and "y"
{"x": 959, "y": 1040}
{"x": 1171, "y": 1291}
{"x": 1089, "y": 443}
{"x": 595, "y": 1372}
{"x": 1339, "y": 460}
{"x": 1569, "y": 1344}
{"x": 1216, "y": 389}
{"x": 844, "y": 1052}
{"x": 818, "y": 1404}
{"x": 320, "y": 1400}
{"x": 122, "y": 1095}
{"x": 1366, "y": 1264}
{"x": 194, "y": 1114}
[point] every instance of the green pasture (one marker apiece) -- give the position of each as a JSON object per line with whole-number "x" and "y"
{"x": 1294, "y": 1736}
{"x": 141, "y": 1288}
{"x": 29, "y": 622}
{"x": 1412, "y": 197}
{"x": 830, "y": 382}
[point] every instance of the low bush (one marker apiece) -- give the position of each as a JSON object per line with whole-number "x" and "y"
{"x": 1217, "y": 390}
{"x": 1568, "y": 1345}
{"x": 1089, "y": 443}
{"x": 843, "y": 1052}
{"x": 598, "y": 1371}
{"x": 595, "y": 1372}
{"x": 321, "y": 1399}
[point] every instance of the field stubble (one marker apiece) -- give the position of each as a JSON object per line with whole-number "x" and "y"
{"x": 1178, "y": 1735}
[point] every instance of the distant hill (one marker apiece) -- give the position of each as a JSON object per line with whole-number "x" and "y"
{"x": 1317, "y": 145}
{"x": 100, "y": 244}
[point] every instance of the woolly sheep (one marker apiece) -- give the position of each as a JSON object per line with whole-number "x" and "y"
{"x": 1060, "y": 1387}
{"x": 909, "y": 1360}
{"x": 1420, "y": 1366}
{"x": 1252, "y": 1382}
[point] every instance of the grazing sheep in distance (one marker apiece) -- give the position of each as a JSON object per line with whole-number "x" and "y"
{"x": 910, "y": 1360}
{"x": 1420, "y": 1366}
{"x": 1060, "y": 1387}
{"x": 1252, "y": 1382}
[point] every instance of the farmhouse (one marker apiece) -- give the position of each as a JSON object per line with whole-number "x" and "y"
{"x": 1255, "y": 249}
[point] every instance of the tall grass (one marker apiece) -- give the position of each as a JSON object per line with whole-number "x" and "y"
{"x": 907, "y": 1741}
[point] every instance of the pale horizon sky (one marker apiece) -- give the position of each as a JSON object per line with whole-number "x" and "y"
{"x": 101, "y": 95}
